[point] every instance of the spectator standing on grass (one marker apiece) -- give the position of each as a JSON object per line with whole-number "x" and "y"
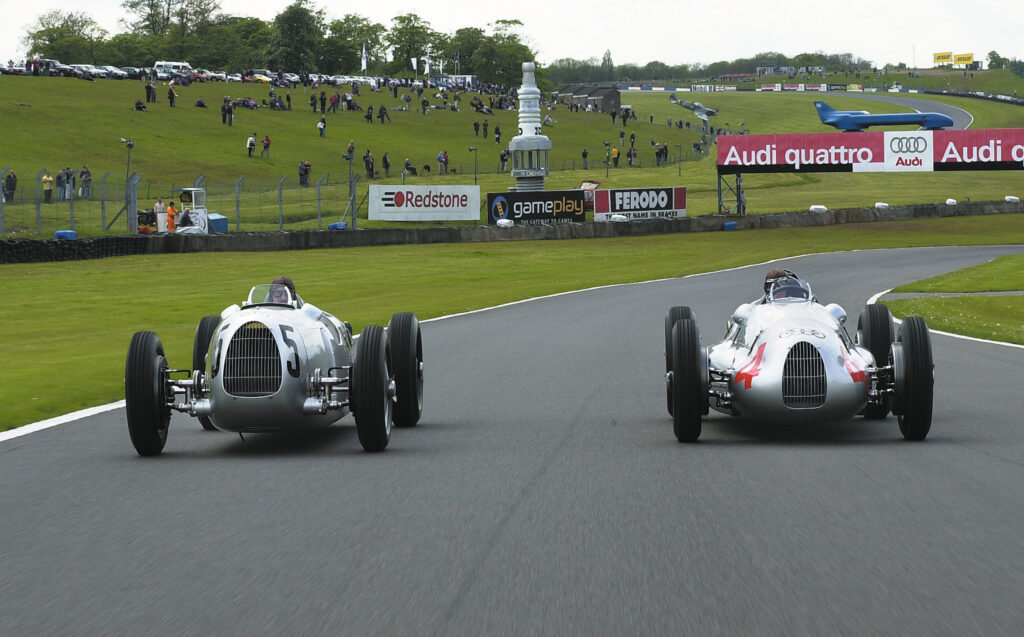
{"x": 350, "y": 152}
{"x": 171, "y": 95}
{"x": 485, "y": 128}
{"x": 382, "y": 112}
{"x": 86, "y": 176}
{"x": 323, "y": 101}
{"x": 322, "y": 126}
{"x": 312, "y": 101}
{"x": 585, "y": 153}
{"x": 10, "y": 185}
{"x": 497, "y": 134}
{"x": 47, "y": 187}
{"x": 61, "y": 181}
{"x": 69, "y": 183}
{"x": 440, "y": 163}
{"x": 368, "y": 163}
{"x": 369, "y": 114}
{"x": 288, "y": 98}
{"x": 224, "y": 111}
{"x": 385, "y": 161}
{"x": 622, "y": 137}
{"x": 250, "y": 145}
{"x": 266, "y": 147}
{"x": 476, "y": 129}
{"x": 615, "y": 156}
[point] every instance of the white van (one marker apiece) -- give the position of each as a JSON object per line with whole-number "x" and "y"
{"x": 178, "y": 67}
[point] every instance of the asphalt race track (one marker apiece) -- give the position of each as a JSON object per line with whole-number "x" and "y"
{"x": 544, "y": 494}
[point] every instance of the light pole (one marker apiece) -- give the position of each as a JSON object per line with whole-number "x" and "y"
{"x": 607, "y": 158}
{"x": 128, "y": 169}
{"x": 473, "y": 148}
{"x": 679, "y": 158}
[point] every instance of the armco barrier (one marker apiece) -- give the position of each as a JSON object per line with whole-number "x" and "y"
{"x": 37, "y": 250}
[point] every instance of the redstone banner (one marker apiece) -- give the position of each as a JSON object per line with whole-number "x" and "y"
{"x": 873, "y": 151}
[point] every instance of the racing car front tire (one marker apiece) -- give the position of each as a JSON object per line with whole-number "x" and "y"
{"x": 145, "y": 394}
{"x": 674, "y": 314}
{"x": 200, "y": 347}
{"x": 874, "y": 333}
{"x": 686, "y": 386}
{"x": 915, "y": 418}
{"x": 372, "y": 388}
{"x": 407, "y": 363}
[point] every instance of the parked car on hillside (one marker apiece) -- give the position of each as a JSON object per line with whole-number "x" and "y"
{"x": 133, "y": 72}
{"x": 233, "y": 77}
{"x": 114, "y": 73}
{"x": 210, "y": 76}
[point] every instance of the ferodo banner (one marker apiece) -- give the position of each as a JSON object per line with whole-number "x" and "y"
{"x": 946, "y": 57}
{"x": 640, "y": 203}
{"x": 531, "y": 208}
{"x": 424, "y": 203}
{"x": 873, "y": 151}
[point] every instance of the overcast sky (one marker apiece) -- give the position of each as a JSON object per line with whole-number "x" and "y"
{"x": 671, "y": 31}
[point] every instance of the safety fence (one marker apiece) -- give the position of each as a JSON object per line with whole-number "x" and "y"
{"x": 39, "y": 207}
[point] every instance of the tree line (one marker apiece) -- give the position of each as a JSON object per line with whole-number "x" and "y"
{"x": 299, "y": 39}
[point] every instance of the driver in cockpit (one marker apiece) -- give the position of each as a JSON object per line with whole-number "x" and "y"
{"x": 280, "y": 288}
{"x": 784, "y": 284}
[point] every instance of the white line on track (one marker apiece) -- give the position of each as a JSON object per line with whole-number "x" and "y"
{"x": 85, "y": 413}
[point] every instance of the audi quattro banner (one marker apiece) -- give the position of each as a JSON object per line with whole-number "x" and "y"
{"x": 640, "y": 203}
{"x": 424, "y": 203}
{"x": 873, "y": 151}
{"x": 531, "y": 208}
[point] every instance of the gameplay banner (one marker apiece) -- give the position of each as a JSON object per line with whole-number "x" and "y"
{"x": 873, "y": 151}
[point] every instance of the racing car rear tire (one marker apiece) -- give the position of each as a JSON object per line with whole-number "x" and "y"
{"x": 407, "y": 364}
{"x": 674, "y": 314}
{"x": 200, "y": 347}
{"x": 874, "y": 333}
{"x": 372, "y": 390}
{"x": 919, "y": 379}
{"x": 686, "y": 386}
{"x": 145, "y": 394}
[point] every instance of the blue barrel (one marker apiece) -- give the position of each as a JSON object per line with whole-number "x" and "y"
{"x": 338, "y": 225}
{"x": 65, "y": 234}
{"x": 729, "y": 225}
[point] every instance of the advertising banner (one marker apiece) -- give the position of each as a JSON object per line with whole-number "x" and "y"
{"x": 873, "y": 151}
{"x": 640, "y": 203}
{"x": 946, "y": 57}
{"x": 963, "y": 58}
{"x": 424, "y": 203}
{"x": 532, "y": 208}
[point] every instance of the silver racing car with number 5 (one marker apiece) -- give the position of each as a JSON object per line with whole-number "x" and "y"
{"x": 278, "y": 364}
{"x": 786, "y": 358}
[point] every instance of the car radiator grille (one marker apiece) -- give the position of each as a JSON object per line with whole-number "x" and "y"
{"x": 803, "y": 378}
{"x": 252, "y": 366}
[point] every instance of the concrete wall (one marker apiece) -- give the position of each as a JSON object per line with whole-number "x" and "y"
{"x": 35, "y": 250}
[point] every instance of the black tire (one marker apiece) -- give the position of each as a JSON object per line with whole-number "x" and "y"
{"x": 919, "y": 379}
{"x": 200, "y": 347}
{"x": 145, "y": 394}
{"x": 875, "y": 334}
{"x": 674, "y": 314}
{"x": 687, "y": 401}
{"x": 407, "y": 365}
{"x": 373, "y": 401}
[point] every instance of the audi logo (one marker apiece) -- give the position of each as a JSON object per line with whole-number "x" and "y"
{"x": 908, "y": 144}
{"x": 803, "y": 331}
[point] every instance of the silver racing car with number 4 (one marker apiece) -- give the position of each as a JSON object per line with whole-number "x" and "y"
{"x": 278, "y": 364}
{"x": 786, "y": 358}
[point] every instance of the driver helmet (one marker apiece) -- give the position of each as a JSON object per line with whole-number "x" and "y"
{"x": 789, "y": 288}
{"x": 282, "y": 290}
{"x": 774, "y": 275}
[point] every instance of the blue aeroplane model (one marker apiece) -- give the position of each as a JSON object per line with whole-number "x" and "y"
{"x": 859, "y": 120}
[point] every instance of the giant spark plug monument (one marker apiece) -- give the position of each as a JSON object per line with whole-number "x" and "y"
{"x": 530, "y": 149}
